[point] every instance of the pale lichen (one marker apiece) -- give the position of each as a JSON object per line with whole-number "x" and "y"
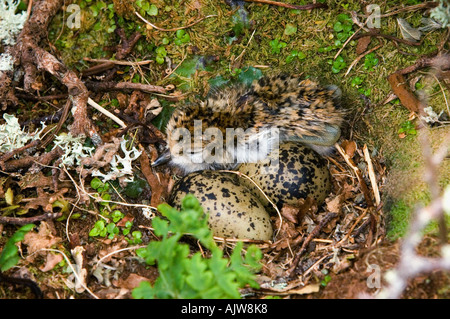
{"x": 10, "y": 22}
{"x": 74, "y": 150}
{"x": 12, "y": 136}
{"x": 6, "y": 62}
{"x": 120, "y": 167}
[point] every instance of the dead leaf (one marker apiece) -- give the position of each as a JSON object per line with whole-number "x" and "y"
{"x": 51, "y": 262}
{"x": 305, "y": 290}
{"x": 131, "y": 282}
{"x": 334, "y": 205}
{"x": 41, "y": 240}
{"x": 389, "y": 98}
{"x": 154, "y": 108}
{"x": 45, "y": 200}
{"x": 408, "y": 32}
{"x": 290, "y": 213}
{"x": 407, "y": 98}
{"x": 113, "y": 293}
{"x": 157, "y": 185}
{"x": 362, "y": 45}
{"x": 36, "y": 180}
{"x": 349, "y": 147}
{"x": 124, "y": 220}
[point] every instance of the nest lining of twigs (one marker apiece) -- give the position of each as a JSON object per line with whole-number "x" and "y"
{"x": 312, "y": 241}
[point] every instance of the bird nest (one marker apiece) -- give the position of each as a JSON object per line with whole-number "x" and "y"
{"x": 312, "y": 242}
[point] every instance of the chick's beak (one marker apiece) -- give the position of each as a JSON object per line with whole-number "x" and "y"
{"x": 162, "y": 159}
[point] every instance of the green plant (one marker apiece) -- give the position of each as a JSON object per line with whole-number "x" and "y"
{"x": 276, "y": 46}
{"x": 370, "y": 61}
{"x": 10, "y": 253}
{"x": 101, "y": 227}
{"x": 343, "y": 28}
{"x": 407, "y": 128}
{"x": 181, "y": 37}
{"x": 399, "y": 217}
{"x": 136, "y": 238}
{"x": 161, "y": 53}
{"x": 324, "y": 282}
{"x": 249, "y": 74}
{"x": 356, "y": 83}
{"x": 117, "y": 215}
{"x": 338, "y": 64}
{"x": 146, "y": 7}
{"x": 182, "y": 275}
{"x": 126, "y": 230}
{"x": 99, "y": 186}
{"x": 295, "y": 54}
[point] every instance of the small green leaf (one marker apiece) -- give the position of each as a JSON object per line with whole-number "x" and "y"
{"x": 96, "y": 183}
{"x": 301, "y": 55}
{"x": 99, "y": 229}
{"x": 290, "y": 29}
{"x": 143, "y": 291}
{"x": 152, "y": 10}
{"x": 217, "y": 82}
{"x": 135, "y": 188}
{"x": 276, "y": 46}
{"x": 117, "y": 215}
{"x": 9, "y": 256}
{"x": 249, "y": 74}
{"x": 184, "y": 276}
{"x": 338, "y": 27}
{"x": 338, "y": 64}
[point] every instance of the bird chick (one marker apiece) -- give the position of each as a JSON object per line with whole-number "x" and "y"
{"x": 243, "y": 124}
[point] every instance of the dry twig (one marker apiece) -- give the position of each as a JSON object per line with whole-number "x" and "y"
{"x": 174, "y": 29}
{"x": 291, "y": 6}
{"x": 308, "y": 239}
{"x": 411, "y": 264}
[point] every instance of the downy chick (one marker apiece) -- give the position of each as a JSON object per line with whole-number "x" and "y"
{"x": 244, "y": 124}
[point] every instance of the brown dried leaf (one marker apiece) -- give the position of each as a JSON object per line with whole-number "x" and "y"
{"x": 349, "y": 147}
{"x": 38, "y": 180}
{"x": 290, "y": 213}
{"x": 45, "y": 200}
{"x": 157, "y": 184}
{"x": 51, "y": 262}
{"x": 131, "y": 282}
{"x": 153, "y": 108}
{"x": 40, "y": 240}
{"x": 347, "y": 191}
{"x": 334, "y": 204}
{"x": 124, "y": 220}
{"x": 362, "y": 45}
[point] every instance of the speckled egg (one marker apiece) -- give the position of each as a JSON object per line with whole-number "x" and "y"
{"x": 233, "y": 210}
{"x": 300, "y": 172}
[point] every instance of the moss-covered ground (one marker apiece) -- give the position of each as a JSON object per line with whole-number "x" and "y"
{"x": 243, "y": 42}
{"x": 226, "y": 43}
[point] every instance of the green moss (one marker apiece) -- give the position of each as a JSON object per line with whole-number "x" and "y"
{"x": 233, "y": 40}
{"x": 398, "y": 222}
